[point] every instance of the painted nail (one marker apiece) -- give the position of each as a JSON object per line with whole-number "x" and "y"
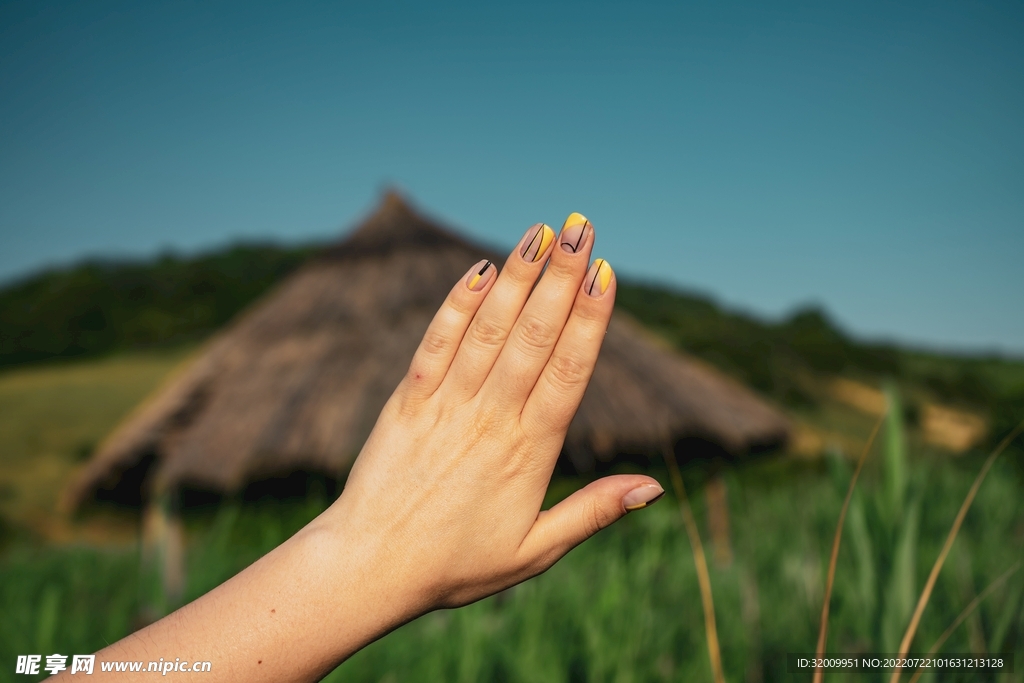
{"x": 480, "y": 275}
{"x": 574, "y": 232}
{"x": 598, "y": 277}
{"x": 642, "y": 496}
{"x": 536, "y": 242}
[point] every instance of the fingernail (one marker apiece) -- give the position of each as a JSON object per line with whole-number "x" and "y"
{"x": 574, "y": 232}
{"x": 536, "y": 242}
{"x": 642, "y": 496}
{"x": 598, "y": 278}
{"x": 480, "y": 275}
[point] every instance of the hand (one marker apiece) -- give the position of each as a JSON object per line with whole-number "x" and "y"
{"x": 442, "y": 506}
{"x": 455, "y": 471}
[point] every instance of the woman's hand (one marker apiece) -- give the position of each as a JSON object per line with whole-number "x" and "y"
{"x": 455, "y": 471}
{"x": 442, "y": 506}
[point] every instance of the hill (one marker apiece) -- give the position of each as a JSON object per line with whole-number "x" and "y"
{"x": 100, "y": 307}
{"x": 97, "y": 307}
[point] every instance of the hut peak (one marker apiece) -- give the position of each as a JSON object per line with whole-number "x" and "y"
{"x": 394, "y": 225}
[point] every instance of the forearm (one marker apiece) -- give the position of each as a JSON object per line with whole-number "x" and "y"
{"x": 291, "y": 616}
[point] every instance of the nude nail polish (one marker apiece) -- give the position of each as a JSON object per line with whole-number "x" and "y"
{"x": 574, "y": 232}
{"x": 480, "y": 275}
{"x": 642, "y": 496}
{"x": 598, "y": 278}
{"x": 536, "y": 242}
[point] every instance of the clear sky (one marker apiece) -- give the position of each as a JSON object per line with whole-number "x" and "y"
{"x": 869, "y": 158}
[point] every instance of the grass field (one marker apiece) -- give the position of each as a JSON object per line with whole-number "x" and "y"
{"x": 623, "y": 607}
{"x": 51, "y": 418}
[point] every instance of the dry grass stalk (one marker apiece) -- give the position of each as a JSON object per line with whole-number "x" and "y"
{"x": 715, "y": 493}
{"x": 833, "y": 560}
{"x": 966, "y": 613}
{"x": 700, "y": 561}
{"x": 926, "y": 594}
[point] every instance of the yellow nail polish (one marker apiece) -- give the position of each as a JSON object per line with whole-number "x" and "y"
{"x": 574, "y": 232}
{"x": 545, "y": 241}
{"x": 574, "y": 219}
{"x": 538, "y": 244}
{"x": 480, "y": 275}
{"x": 599, "y": 277}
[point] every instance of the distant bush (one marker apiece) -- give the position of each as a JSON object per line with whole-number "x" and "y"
{"x": 98, "y": 307}
{"x": 765, "y": 355}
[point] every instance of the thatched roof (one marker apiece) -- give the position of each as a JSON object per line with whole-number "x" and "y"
{"x": 295, "y": 383}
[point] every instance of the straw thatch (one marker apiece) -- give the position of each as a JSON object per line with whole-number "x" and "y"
{"x": 295, "y": 383}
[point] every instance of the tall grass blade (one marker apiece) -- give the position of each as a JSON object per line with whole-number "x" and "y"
{"x": 866, "y": 573}
{"x": 823, "y": 628}
{"x": 700, "y": 561}
{"x": 898, "y": 600}
{"x": 49, "y": 611}
{"x": 966, "y": 613}
{"x": 908, "y": 637}
{"x": 1004, "y": 622}
{"x": 895, "y": 460}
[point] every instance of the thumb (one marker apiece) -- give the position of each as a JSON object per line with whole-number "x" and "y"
{"x": 584, "y": 513}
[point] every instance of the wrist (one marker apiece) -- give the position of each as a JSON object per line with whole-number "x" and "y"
{"x": 368, "y": 582}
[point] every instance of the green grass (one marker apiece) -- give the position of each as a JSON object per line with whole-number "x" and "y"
{"x": 623, "y": 607}
{"x": 53, "y": 415}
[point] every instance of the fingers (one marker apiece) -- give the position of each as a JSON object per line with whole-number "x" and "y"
{"x": 535, "y": 333}
{"x": 488, "y": 331}
{"x": 583, "y": 514}
{"x": 441, "y": 341}
{"x": 559, "y": 389}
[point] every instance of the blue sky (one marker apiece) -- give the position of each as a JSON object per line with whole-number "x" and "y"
{"x": 868, "y": 158}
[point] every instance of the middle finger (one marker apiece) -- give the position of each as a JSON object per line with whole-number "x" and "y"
{"x": 533, "y": 337}
{"x": 490, "y": 327}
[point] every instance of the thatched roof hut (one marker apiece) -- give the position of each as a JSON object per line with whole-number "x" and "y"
{"x": 295, "y": 383}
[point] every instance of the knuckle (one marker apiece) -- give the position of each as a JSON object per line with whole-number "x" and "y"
{"x": 435, "y": 343}
{"x": 534, "y": 333}
{"x": 463, "y": 306}
{"x": 568, "y": 370}
{"x": 541, "y": 562}
{"x": 488, "y": 419}
{"x": 520, "y": 273}
{"x": 487, "y": 334}
{"x": 563, "y": 270}
{"x": 593, "y": 518}
{"x": 590, "y": 312}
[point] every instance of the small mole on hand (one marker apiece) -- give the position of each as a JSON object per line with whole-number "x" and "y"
{"x": 273, "y": 611}
{"x": 260, "y": 661}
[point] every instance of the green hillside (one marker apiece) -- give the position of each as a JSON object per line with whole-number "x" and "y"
{"x": 96, "y": 308}
{"x": 785, "y": 360}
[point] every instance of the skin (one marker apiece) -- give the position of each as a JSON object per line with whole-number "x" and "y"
{"x": 443, "y": 505}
